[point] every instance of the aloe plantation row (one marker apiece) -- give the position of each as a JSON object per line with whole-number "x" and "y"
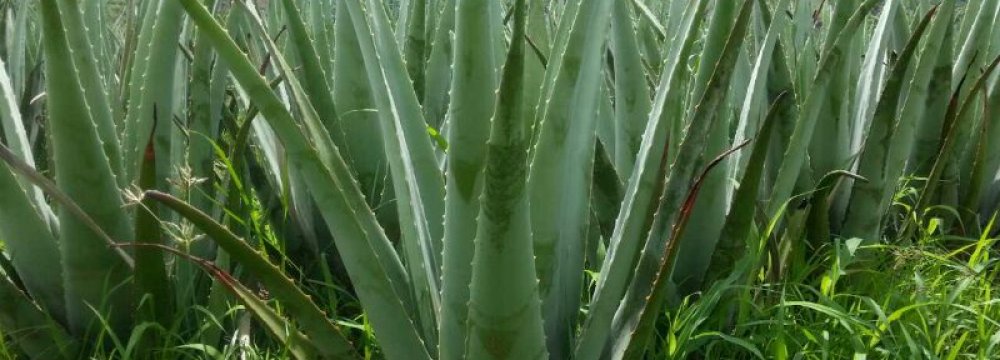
{"x": 462, "y": 179}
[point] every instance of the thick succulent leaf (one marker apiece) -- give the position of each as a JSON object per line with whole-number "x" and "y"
{"x": 414, "y": 44}
{"x": 795, "y": 153}
{"x": 874, "y": 70}
{"x": 885, "y": 151}
{"x": 363, "y": 150}
{"x": 757, "y": 91}
{"x": 633, "y": 321}
{"x": 313, "y": 78}
{"x": 150, "y": 89}
{"x": 739, "y": 221}
{"x": 30, "y": 328}
{"x": 958, "y": 119}
{"x": 439, "y": 70}
{"x": 330, "y": 342}
{"x": 559, "y": 180}
{"x": 90, "y": 269}
{"x": 505, "y": 319}
{"x": 709, "y": 212}
{"x": 367, "y": 254}
{"x": 32, "y": 247}
{"x": 474, "y": 87}
{"x": 15, "y": 136}
{"x": 927, "y": 138}
{"x": 643, "y": 187}
{"x": 150, "y": 270}
{"x": 86, "y": 57}
{"x": 632, "y": 101}
{"x": 418, "y": 184}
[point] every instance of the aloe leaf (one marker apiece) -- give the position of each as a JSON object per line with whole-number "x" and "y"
{"x": 643, "y": 187}
{"x": 815, "y": 99}
{"x": 990, "y": 189}
{"x": 363, "y": 150}
{"x": 90, "y": 268}
{"x": 150, "y": 88}
{"x": 150, "y": 270}
{"x": 418, "y": 184}
{"x": 889, "y": 141}
{"x": 84, "y": 54}
{"x": 874, "y": 70}
{"x": 927, "y": 138}
{"x": 17, "y": 48}
{"x": 366, "y": 252}
{"x": 559, "y": 180}
{"x": 31, "y": 245}
{"x": 474, "y": 86}
{"x": 330, "y": 341}
{"x": 313, "y": 79}
{"x": 438, "y": 79}
{"x": 976, "y": 36}
{"x": 505, "y": 319}
{"x": 30, "y": 328}
{"x": 957, "y": 121}
{"x": 829, "y": 149}
{"x": 632, "y": 101}
{"x": 12, "y": 126}
{"x": 695, "y": 249}
{"x": 878, "y": 138}
{"x": 298, "y": 344}
{"x": 739, "y": 220}
{"x": 647, "y": 290}
{"x": 205, "y": 116}
{"x": 755, "y": 99}
{"x": 567, "y": 18}
{"x": 636, "y": 340}
{"x": 414, "y": 45}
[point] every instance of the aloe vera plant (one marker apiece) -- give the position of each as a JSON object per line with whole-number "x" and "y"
{"x": 478, "y": 179}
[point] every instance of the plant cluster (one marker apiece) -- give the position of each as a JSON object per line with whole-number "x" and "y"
{"x": 509, "y": 179}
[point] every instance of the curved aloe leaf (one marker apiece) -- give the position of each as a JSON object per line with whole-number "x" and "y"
{"x": 709, "y": 212}
{"x": 419, "y": 186}
{"x": 298, "y": 344}
{"x": 90, "y": 268}
{"x": 314, "y": 79}
{"x": 632, "y": 102}
{"x": 958, "y": 119}
{"x": 798, "y": 144}
{"x": 31, "y": 245}
{"x": 94, "y": 86}
{"x": 30, "y": 327}
{"x": 150, "y": 270}
{"x": 505, "y": 319}
{"x": 366, "y": 252}
{"x": 642, "y": 189}
{"x": 632, "y": 324}
{"x": 438, "y": 81}
{"x": 12, "y": 126}
{"x": 363, "y": 150}
{"x": 330, "y": 342}
{"x": 739, "y": 220}
{"x": 755, "y": 100}
{"x": 888, "y": 137}
{"x": 474, "y": 86}
{"x": 559, "y": 179}
{"x": 150, "y": 88}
